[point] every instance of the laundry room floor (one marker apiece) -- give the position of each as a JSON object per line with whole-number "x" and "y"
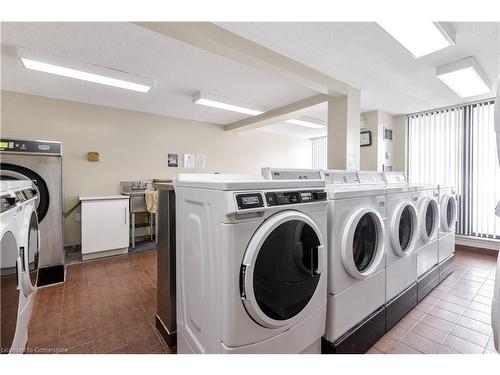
{"x": 105, "y": 306}
{"x": 454, "y": 318}
{"x": 108, "y": 306}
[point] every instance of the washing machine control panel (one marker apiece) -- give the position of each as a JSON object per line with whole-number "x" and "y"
{"x": 293, "y": 197}
{"x": 39, "y": 147}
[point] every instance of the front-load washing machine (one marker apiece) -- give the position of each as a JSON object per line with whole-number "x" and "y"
{"x": 426, "y": 199}
{"x": 40, "y": 162}
{"x": 18, "y": 261}
{"x": 251, "y": 264}
{"x": 356, "y": 242}
{"x": 401, "y": 258}
{"x": 356, "y": 261}
{"x": 446, "y": 233}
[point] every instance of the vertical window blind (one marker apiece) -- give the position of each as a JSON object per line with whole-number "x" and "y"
{"x": 319, "y": 153}
{"x": 456, "y": 146}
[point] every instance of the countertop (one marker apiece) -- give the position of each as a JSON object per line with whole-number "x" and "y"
{"x": 103, "y": 197}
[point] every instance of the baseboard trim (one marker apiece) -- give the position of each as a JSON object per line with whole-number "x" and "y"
{"x": 400, "y": 305}
{"x": 476, "y": 250}
{"x": 170, "y": 338}
{"x": 427, "y": 282}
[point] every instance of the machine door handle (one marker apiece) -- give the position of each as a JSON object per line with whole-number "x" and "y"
{"x": 125, "y": 213}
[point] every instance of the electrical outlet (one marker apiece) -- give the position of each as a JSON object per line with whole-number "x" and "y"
{"x": 77, "y": 217}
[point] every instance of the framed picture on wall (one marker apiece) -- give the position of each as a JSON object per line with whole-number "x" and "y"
{"x": 365, "y": 138}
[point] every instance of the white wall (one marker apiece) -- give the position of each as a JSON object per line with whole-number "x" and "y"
{"x": 134, "y": 145}
{"x": 374, "y": 157}
{"x": 400, "y": 141}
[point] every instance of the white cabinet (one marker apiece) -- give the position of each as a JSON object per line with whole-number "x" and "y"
{"x": 105, "y": 226}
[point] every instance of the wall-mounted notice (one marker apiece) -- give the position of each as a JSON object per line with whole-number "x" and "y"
{"x": 189, "y": 160}
{"x": 201, "y": 161}
{"x": 173, "y": 160}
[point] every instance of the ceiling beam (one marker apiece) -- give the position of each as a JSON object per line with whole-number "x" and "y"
{"x": 287, "y": 112}
{"x": 215, "y": 39}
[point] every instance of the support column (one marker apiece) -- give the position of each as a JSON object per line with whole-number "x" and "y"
{"x": 343, "y": 131}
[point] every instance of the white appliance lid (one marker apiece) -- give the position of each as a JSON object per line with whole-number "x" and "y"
{"x": 337, "y": 177}
{"x": 235, "y": 182}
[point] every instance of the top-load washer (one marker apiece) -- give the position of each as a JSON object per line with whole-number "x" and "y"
{"x": 446, "y": 233}
{"x": 356, "y": 267}
{"x": 401, "y": 258}
{"x": 18, "y": 261}
{"x": 40, "y": 162}
{"x": 251, "y": 264}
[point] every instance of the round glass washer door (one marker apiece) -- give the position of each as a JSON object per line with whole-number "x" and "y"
{"x": 33, "y": 250}
{"x": 17, "y": 172}
{"x": 429, "y": 218}
{"x": 362, "y": 246}
{"x": 281, "y": 269}
{"x": 448, "y": 212}
{"x": 404, "y": 228}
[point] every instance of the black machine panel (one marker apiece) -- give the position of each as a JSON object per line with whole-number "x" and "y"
{"x": 293, "y": 197}
{"x": 40, "y": 147}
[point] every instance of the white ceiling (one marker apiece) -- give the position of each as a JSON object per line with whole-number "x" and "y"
{"x": 361, "y": 54}
{"x": 178, "y": 70}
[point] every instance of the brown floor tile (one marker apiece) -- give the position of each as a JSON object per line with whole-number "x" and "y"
{"x": 402, "y": 348}
{"x": 430, "y": 333}
{"x": 397, "y": 333}
{"x": 470, "y": 335}
{"x": 438, "y": 323}
{"x": 107, "y": 343}
{"x": 445, "y": 350}
{"x": 147, "y": 345}
{"x": 76, "y": 337}
{"x": 450, "y": 306}
{"x": 386, "y": 344}
{"x": 475, "y": 325}
{"x": 457, "y": 300}
{"x": 84, "y": 348}
{"x": 374, "y": 350}
{"x": 462, "y": 346}
{"x": 420, "y": 343}
{"x": 477, "y": 315}
{"x": 444, "y": 314}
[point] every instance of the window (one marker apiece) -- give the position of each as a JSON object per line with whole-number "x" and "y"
{"x": 319, "y": 153}
{"x": 457, "y": 146}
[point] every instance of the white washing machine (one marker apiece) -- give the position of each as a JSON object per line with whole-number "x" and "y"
{"x": 495, "y": 305}
{"x": 356, "y": 242}
{"x": 251, "y": 264}
{"x": 446, "y": 234}
{"x": 18, "y": 261}
{"x": 426, "y": 199}
{"x": 401, "y": 257}
{"x": 356, "y": 260}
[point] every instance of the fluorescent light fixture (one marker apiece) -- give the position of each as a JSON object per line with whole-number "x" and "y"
{"x": 307, "y": 122}
{"x": 465, "y": 77}
{"x": 216, "y": 101}
{"x": 420, "y": 38}
{"x": 84, "y": 72}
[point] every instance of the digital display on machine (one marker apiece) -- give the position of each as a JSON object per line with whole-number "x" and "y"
{"x": 4, "y": 144}
{"x": 250, "y": 200}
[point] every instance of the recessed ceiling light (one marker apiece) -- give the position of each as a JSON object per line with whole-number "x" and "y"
{"x": 83, "y": 71}
{"x": 419, "y": 37}
{"x": 465, "y": 77}
{"x": 216, "y": 101}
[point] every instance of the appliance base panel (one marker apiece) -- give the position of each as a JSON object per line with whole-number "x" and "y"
{"x": 360, "y": 338}
{"x": 399, "y": 306}
{"x": 427, "y": 282}
{"x": 50, "y": 275}
{"x": 446, "y": 267}
{"x": 170, "y": 338}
